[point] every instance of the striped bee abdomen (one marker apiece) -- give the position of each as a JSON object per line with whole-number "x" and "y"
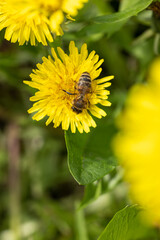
{"x": 84, "y": 83}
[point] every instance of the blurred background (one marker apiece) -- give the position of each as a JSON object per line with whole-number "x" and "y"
{"x": 38, "y": 195}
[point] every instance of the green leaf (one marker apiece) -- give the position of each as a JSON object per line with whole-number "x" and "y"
{"x": 124, "y": 4}
{"x": 132, "y": 10}
{"x": 126, "y": 225}
{"x": 110, "y": 23}
{"x": 89, "y": 154}
{"x": 100, "y": 28}
{"x": 92, "y": 192}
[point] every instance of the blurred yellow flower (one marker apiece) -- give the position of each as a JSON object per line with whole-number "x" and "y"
{"x": 138, "y": 143}
{"x": 26, "y": 20}
{"x": 56, "y": 81}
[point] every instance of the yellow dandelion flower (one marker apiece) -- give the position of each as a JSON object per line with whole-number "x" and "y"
{"x": 138, "y": 143}
{"x": 31, "y": 20}
{"x": 58, "y": 91}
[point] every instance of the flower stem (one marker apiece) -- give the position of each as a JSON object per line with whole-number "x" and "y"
{"x": 13, "y": 147}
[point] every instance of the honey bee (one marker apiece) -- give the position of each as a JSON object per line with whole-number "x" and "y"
{"x": 83, "y": 87}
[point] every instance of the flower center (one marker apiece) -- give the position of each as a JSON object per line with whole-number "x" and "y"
{"x": 50, "y": 6}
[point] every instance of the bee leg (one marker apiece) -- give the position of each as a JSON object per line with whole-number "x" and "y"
{"x": 69, "y": 92}
{"x": 88, "y": 104}
{"x": 75, "y": 87}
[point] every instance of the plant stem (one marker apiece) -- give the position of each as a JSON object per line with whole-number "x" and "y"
{"x": 13, "y": 147}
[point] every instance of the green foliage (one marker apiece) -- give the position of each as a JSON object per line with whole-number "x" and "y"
{"x": 126, "y": 224}
{"x": 128, "y": 9}
{"x": 89, "y": 155}
{"x": 94, "y": 190}
{"x": 111, "y": 23}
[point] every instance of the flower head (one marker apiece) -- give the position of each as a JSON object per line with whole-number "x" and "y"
{"x": 57, "y": 83}
{"x": 137, "y": 144}
{"x": 26, "y": 20}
